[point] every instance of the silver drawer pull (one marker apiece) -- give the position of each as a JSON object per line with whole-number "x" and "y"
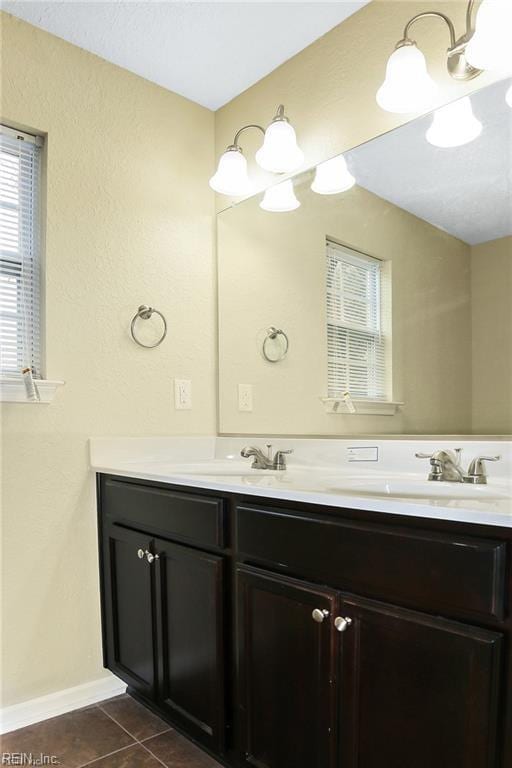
{"x": 342, "y": 624}
{"x": 319, "y": 615}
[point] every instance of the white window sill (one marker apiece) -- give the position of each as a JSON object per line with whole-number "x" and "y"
{"x": 363, "y": 407}
{"x": 13, "y": 391}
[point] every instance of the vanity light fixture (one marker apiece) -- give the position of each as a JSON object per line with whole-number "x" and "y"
{"x": 491, "y": 44}
{"x": 231, "y": 177}
{"x": 488, "y": 45}
{"x": 454, "y": 125}
{"x": 332, "y": 177}
{"x": 280, "y": 198}
{"x": 278, "y": 154}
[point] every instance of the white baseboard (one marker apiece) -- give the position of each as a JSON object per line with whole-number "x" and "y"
{"x": 44, "y": 707}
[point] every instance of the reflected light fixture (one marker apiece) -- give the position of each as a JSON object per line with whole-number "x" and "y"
{"x": 332, "y": 177}
{"x": 491, "y": 45}
{"x": 409, "y": 88}
{"x": 278, "y": 154}
{"x": 280, "y": 198}
{"x": 454, "y": 125}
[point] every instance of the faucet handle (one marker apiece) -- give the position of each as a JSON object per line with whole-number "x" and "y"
{"x": 279, "y": 460}
{"x": 476, "y": 470}
{"x": 424, "y": 455}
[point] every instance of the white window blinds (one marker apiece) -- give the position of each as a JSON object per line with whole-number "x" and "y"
{"x": 355, "y": 343}
{"x": 19, "y": 252}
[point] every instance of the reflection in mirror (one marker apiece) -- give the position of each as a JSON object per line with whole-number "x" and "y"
{"x": 395, "y": 289}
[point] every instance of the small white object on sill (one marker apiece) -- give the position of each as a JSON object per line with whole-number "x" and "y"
{"x": 13, "y": 390}
{"x": 360, "y": 407}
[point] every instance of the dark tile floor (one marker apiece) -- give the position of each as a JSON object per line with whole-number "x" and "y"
{"x": 118, "y": 733}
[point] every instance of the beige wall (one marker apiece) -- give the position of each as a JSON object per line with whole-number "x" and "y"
{"x": 329, "y": 88}
{"x": 129, "y": 220}
{"x": 272, "y": 272}
{"x": 491, "y": 303}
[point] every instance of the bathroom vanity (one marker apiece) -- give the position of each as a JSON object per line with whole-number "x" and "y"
{"x": 279, "y": 633}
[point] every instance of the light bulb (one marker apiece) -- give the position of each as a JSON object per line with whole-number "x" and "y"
{"x": 407, "y": 87}
{"x": 231, "y": 176}
{"x": 280, "y": 152}
{"x": 491, "y": 44}
{"x": 280, "y": 198}
{"x": 332, "y": 177}
{"x": 454, "y": 125}
{"x": 508, "y": 96}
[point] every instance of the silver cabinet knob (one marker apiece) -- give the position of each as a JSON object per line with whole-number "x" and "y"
{"x": 319, "y": 615}
{"x": 150, "y": 557}
{"x": 342, "y": 624}
{"x": 140, "y": 553}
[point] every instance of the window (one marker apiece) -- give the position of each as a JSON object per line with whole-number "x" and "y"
{"x": 356, "y": 345}
{"x": 20, "y": 163}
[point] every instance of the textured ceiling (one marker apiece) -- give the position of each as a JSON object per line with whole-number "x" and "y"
{"x": 466, "y": 191}
{"x": 208, "y": 52}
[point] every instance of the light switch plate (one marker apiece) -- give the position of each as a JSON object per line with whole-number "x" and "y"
{"x": 245, "y": 397}
{"x": 182, "y": 394}
{"x": 363, "y": 453}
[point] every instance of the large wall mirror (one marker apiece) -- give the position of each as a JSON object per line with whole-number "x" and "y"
{"x": 393, "y": 292}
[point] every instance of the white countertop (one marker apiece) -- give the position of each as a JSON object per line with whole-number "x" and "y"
{"x": 215, "y": 464}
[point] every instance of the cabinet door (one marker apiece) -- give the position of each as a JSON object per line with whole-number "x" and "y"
{"x": 417, "y": 690}
{"x": 191, "y": 615}
{"x": 285, "y": 661}
{"x": 128, "y": 581}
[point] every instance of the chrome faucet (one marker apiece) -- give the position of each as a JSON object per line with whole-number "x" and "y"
{"x": 260, "y": 461}
{"x": 445, "y": 465}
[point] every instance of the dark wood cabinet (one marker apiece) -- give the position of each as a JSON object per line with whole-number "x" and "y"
{"x": 297, "y": 636}
{"x": 416, "y": 690}
{"x": 128, "y": 594}
{"x": 286, "y": 664}
{"x": 190, "y": 589}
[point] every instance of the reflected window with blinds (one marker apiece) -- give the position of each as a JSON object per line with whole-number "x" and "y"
{"x": 20, "y": 166}
{"x": 356, "y": 345}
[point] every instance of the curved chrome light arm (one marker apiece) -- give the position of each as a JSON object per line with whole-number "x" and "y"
{"x": 469, "y": 18}
{"x": 245, "y": 127}
{"x": 431, "y": 14}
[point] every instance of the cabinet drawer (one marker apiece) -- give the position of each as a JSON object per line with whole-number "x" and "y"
{"x": 442, "y": 573}
{"x": 181, "y": 516}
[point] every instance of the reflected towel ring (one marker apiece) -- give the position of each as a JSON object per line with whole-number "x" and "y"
{"x": 272, "y": 334}
{"x": 144, "y": 313}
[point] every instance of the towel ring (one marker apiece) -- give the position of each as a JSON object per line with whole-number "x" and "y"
{"x": 273, "y": 333}
{"x": 144, "y": 313}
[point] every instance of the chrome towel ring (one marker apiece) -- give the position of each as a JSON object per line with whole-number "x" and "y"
{"x": 272, "y": 334}
{"x": 144, "y": 313}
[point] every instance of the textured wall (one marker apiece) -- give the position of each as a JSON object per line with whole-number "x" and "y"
{"x": 129, "y": 220}
{"x": 491, "y": 304}
{"x": 272, "y": 272}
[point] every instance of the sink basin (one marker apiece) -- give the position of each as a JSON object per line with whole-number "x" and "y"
{"x": 418, "y": 489}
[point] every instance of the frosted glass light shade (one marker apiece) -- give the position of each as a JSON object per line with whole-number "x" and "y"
{"x": 280, "y": 198}
{"x": 508, "y": 96}
{"x": 332, "y": 177}
{"x": 491, "y": 44}
{"x": 280, "y": 152}
{"x": 454, "y": 125}
{"x": 407, "y": 87}
{"x": 231, "y": 176}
